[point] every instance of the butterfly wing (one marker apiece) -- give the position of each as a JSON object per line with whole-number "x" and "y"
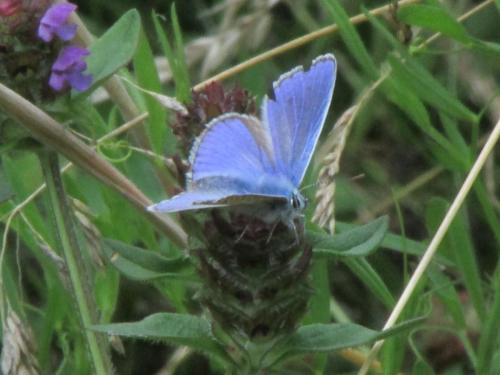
{"x": 231, "y": 164}
{"x": 295, "y": 113}
{"x": 189, "y": 200}
{"x": 232, "y": 145}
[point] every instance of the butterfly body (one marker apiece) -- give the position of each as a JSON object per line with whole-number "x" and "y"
{"x": 258, "y": 164}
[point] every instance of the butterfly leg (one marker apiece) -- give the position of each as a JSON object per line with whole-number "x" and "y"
{"x": 291, "y": 224}
{"x": 242, "y": 234}
{"x": 271, "y": 232}
{"x": 296, "y": 234}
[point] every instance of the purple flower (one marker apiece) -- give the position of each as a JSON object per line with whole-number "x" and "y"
{"x": 68, "y": 69}
{"x": 55, "y": 22}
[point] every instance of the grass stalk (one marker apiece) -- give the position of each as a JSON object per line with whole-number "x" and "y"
{"x": 49, "y": 132}
{"x": 68, "y": 243}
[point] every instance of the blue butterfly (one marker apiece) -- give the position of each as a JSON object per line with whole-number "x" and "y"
{"x": 240, "y": 160}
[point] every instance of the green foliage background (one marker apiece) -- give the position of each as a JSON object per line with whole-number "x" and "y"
{"x": 410, "y": 148}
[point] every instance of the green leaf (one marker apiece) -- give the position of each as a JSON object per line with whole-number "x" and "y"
{"x": 114, "y": 48}
{"x": 410, "y": 76}
{"x": 488, "y": 47}
{"x": 148, "y": 79}
{"x": 399, "y": 94}
{"x": 446, "y": 292}
{"x": 351, "y": 38}
{"x": 370, "y": 277}
{"x": 140, "y": 264}
{"x": 436, "y": 19}
{"x": 175, "y": 329}
{"x": 176, "y": 59}
{"x": 488, "y": 342}
{"x": 183, "y": 85}
{"x": 427, "y": 88}
{"x": 422, "y": 368}
{"x": 490, "y": 213}
{"x": 319, "y": 305}
{"x": 324, "y": 338}
{"x": 402, "y": 244}
{"x": 5, "y": 189}
{"x": 360, "y": 241}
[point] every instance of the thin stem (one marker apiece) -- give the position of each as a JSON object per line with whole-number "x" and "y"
{"x": 360, "y": 18}
{"x": 51, "y": 133}
{"x": 436, "y": 240}
{"x": 124, "y": 102}
{"x": 68, "y": 243}
{"x": 115, "y": 132}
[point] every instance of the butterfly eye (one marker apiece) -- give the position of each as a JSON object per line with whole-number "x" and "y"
{"x": 298, "y": 202}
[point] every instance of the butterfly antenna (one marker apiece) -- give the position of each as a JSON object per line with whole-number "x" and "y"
{"x": 358, "y": 177}
{"x": 315, "y": 184}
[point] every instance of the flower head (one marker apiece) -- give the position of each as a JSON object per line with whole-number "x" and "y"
{"x": 68, "y": 68}
{"x": 55, "y": 22}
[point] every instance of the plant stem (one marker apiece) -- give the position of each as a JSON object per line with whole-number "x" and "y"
{"x": 67, "y": 241}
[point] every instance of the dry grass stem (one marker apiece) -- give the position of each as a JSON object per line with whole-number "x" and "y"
{"x": 18, "y": 209}
{"x": 166, "y": 101}
{"x": 51, "y": 133}
{"x": 114, "y": 133}
{"x": 436, "y": 240}
{"x": 175, "y": 360}
{"x": 236, "y": 31}
{"x": 295, "y": 43}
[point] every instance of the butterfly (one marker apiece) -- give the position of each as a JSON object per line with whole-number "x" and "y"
{"x": 239, "y": 160}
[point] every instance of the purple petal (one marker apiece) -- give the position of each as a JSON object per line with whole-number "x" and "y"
{"x": 55, "y": 19}
{"x": 68, "y": 57}
{"x": 66, "y": 32}
{"x": 79, "y": 81}
{"x": 68, "y": 69}
{"x": 45, "y": 33}
{"x": 58, "y": 14}
{"x": 57, "y": 81}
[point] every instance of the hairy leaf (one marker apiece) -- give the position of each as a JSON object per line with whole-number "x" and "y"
{"x": 172, "y": 328}
{"x": 140, "y": 264}
{"x": 115, "y": 47}
{"x": 360, "y": 241}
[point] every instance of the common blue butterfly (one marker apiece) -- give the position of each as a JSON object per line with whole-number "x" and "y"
{"x": 240, "y": 160}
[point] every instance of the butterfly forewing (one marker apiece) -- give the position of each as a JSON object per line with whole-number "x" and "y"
{"x": 296, "y": 113}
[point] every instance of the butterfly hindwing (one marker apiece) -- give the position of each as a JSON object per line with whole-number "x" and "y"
{"x": 296, "y": 112}
{"x": 199, "y": 199}
{"x": 189, "y": 200}
{"x": 231, "y": 164}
